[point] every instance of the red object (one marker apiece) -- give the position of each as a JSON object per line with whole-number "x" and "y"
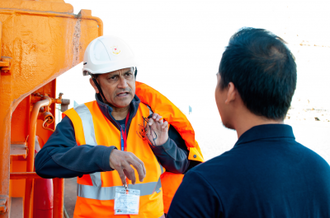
{"x": 43, "y": 198}
{"x": 43, "y": 192}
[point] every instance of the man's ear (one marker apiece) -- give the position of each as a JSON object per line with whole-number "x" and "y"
{"x": 231, "y": 93}
{"x": 94, "y": 86}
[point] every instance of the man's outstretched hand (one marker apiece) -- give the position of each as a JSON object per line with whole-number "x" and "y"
{"x": 122, "y": 161}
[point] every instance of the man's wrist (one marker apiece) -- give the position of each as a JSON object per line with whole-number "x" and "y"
{"x": 165, "y": 145}
{"x": 106, "y": 158}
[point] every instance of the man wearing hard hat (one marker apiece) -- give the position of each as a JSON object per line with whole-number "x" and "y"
{"x": 129, "y": 131}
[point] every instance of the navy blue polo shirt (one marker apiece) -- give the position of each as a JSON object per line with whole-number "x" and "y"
{"x": 266, "y": 174}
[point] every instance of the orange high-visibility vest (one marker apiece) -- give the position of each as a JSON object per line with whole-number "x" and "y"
{"x": 93, "y": 188}
{"x": 96, "y": 192}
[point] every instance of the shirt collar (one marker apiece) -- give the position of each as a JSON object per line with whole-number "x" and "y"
{"x": 266, "y": 131}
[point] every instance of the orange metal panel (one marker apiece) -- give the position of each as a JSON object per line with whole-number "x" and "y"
{"x": 39, "y": 41}
{"x": 41, "y": 5}
{"x": 19, "y": 129}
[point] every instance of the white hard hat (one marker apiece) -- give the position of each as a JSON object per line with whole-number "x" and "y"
{"x": 107, "y": 54}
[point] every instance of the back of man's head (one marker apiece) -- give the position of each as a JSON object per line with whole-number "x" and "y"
{"x": 262, "y": 69}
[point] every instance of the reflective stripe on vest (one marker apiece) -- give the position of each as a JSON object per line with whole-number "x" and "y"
{"x": 108, "y": 193}
{"x": 96, "y": 179}
{"x": 87, "y": 122}
{"x": 89, "y": 133}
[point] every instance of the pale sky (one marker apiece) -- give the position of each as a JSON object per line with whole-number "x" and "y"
{"x": 178, "y": 45}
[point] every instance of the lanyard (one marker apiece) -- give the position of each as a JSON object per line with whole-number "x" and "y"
{"x": 123, "y": 136}
{"x": 123, "y": 142}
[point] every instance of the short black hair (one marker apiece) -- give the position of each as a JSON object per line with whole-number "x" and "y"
{"x": 95, "y": 75}
{"x": 262, "y": 69}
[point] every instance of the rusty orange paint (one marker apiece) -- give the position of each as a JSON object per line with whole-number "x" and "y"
{"x": 39, "y": 40}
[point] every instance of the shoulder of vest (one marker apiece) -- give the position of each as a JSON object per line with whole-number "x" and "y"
{"x": 73, "y": 111}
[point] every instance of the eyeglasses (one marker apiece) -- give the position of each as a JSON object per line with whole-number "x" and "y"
{"x": 152, "y": 132}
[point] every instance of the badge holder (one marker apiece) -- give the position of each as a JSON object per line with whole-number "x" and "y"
{"x": 127, "y": 201}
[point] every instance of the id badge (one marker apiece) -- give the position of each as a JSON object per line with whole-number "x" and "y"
{"x": 127, "y": 201}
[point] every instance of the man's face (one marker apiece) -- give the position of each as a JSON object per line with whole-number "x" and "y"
{"x": 220, "y": 99}
{"x": 118, "y": 87}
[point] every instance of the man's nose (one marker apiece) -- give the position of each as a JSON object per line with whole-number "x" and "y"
{"x": 122, "y": 82}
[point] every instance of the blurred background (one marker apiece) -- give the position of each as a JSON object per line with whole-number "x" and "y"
{"x": 179, "y": 44}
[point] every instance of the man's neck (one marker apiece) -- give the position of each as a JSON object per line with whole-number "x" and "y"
{"x": 120, "y": 113}
{"x": 246, "y": 126}
{"x": 246, "y": 121}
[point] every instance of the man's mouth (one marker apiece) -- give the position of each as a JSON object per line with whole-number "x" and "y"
{"x": 122, "y": 94}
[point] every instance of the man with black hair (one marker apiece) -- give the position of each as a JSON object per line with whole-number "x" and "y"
{"x": 267, "y": 173}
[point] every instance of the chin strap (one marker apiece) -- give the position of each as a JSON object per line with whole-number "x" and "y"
{"x": 100, "y": 90}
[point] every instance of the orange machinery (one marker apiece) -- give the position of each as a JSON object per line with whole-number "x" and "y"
{"x": 40, "y": 40}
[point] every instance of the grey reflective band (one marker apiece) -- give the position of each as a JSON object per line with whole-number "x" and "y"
{"x": 158, "y": 186}
{"x": 108, "y": 193}
{"x": 89, "y": 133}
{"x": 96, "y": 179}
{"x": 87, "y": 122}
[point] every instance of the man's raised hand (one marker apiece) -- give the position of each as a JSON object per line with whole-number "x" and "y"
{"x": 156, "y": 130}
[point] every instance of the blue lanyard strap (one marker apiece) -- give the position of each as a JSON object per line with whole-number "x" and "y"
{"x": 122, "y": 141}
{"x": 123, "y": 135}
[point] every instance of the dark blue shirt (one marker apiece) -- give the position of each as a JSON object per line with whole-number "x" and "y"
{"x": 266, "y": 174}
